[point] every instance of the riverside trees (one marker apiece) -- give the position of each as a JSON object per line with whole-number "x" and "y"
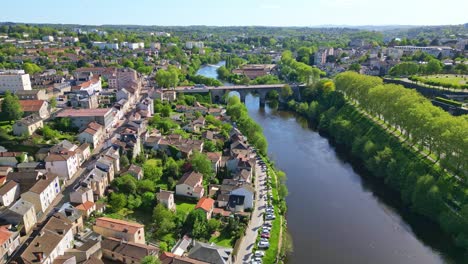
{"x": 404, "y": 109}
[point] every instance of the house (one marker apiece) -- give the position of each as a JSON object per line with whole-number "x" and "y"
{"x": 236, "y": 203}
{"x": 52, "y": 241}
{"x": 31, "y": 166}
{"x": 8, "y": 161}
{"x": 74, "y": 215}
{"x": 121, "y": 251}
{"x": 86, "y": 208}
{"x": 243, "y": 176}
{"x": 215, "y": 158}
{"x": 82, "y": 99}
{"x": 43, "y": 192}
{"x": 36, "y": 94}
{"x": 21, "y": 213}
{"x": 83, "y": 152}
{"x": 167, "y": 199}
{"x": 128, "y": 231}
{"x": 9, "y": 193}
{"x": 82, "y": 117}
{"x": 170, "y": 258}
{"x": 81, "y": 195}
{"x": 27, "y": 125}
{"x": 106, "y": 164}
{"x": 206, "y": 204}
{"x": 190, "y": 185}
{"x": 9, "y": 242}
{"x": 247, "y": 191}
{"x": 98, "y": 181}
{"x": 211, "y": 253}
{"x": 62, "y": 163}
{"x": 135, "y": 171}
{"x": 86, "y": 248}
{"x": 93, "y": 134}
{"x": 38, "y": 107}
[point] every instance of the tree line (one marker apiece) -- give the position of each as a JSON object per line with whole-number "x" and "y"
{"x": 414, "y": 115}
{"x": 423, "y": 186}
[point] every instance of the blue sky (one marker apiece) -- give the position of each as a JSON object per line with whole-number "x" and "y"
{"x": 237, "y": 12}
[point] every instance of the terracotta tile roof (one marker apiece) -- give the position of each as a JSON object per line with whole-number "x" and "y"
{"x": 191, "y": 178}
{"x": 87, "y": 84}
{"x": 60, "y": 156}
{"x": 221, "y": 211}
{"x": 84, "y": 112}
{"x": 128, "y": 249}
{"x": 118, "y": 225}
{"x": 5, "y": 234}
{"x": 31, "y": 105}
{"x": 214, "y": 156}
{"x": 205, "y": 203}
{"x": 85, "y": 206}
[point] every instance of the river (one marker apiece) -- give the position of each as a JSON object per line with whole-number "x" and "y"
{"x": 338, "y": 214}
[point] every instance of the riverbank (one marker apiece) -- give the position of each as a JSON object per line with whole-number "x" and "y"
{"x": 418, "y": 181}
{"x": 254, "y": 133}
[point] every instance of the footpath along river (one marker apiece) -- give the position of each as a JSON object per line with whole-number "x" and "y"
{"x": 336, "y": 212}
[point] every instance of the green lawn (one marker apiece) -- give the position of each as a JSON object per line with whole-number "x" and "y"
{"x": 223, "y": 240}
{"x": 184, "y": 208}
{"x": 447, "y": 78}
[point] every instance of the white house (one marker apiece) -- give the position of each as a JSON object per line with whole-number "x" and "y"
{"x": 247, "y": 191}
{"x": 190, "y": 185}
{"x": 9, "y": 193}
{"x": 81, "y": 195}
{"x": 64, "y": 164}
{"x": 43, "y": 192}
{"x": 92, "y": 134}
{"x": 167, "y": 199}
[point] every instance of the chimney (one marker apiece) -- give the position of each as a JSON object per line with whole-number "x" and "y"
{"x": 39, "y": 256}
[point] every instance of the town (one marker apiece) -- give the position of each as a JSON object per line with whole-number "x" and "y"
{"x": 114, "y": 150}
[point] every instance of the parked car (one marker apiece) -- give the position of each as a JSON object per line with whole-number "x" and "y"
{"x": 266, "y": 235}
{"x": 270, "y": 217}
{"x": 259, "y": 253}
{"x": 263, "y": 244}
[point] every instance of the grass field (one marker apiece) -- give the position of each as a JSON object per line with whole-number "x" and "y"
{"x": 447, "y": 79}
{"x": 184, "y": 208}
{"x": 223, "y": 240}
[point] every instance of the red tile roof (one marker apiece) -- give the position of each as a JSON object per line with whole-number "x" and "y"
{"x": 5, "y": 234}
{"x": 85, "y": 206}
{"x": 118, "y": 225}
{"x": 84, "y": 112}
{"x": 31, "y": 105}
{"x": 205, "y": 203}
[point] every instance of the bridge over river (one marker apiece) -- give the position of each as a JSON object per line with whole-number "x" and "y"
{"x": 217, "y": 93}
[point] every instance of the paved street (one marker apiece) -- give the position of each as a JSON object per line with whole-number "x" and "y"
{"x": 248, "y": 242}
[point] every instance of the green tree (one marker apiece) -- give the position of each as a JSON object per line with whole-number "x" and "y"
{"x": 433, "y": 66}
{"x": 150, "y": 260}
{"x": 117, "y": 201}
{"x": 53, "y": 102}
{"x": 11, "y": 108}
{"x": 31, "y": 68}
{"x": 286, "y": 92}
{"x": 355, "y": 67}
{"x": 201, "y": 163}
{"x": 163, "y": 220}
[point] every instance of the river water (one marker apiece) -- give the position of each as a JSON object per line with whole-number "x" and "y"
{"x": 336, "y": 213}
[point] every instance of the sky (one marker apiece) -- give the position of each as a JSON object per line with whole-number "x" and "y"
{"x": 236, "y": 12}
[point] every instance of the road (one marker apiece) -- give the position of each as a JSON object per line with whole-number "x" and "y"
{"x": 248, "y": 242}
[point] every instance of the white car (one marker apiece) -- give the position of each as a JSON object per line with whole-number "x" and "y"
{"x": 259, "y": 253}
{"x": 263, "y": 244}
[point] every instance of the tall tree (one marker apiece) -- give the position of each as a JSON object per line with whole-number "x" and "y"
{"x": 11, "y": 108}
